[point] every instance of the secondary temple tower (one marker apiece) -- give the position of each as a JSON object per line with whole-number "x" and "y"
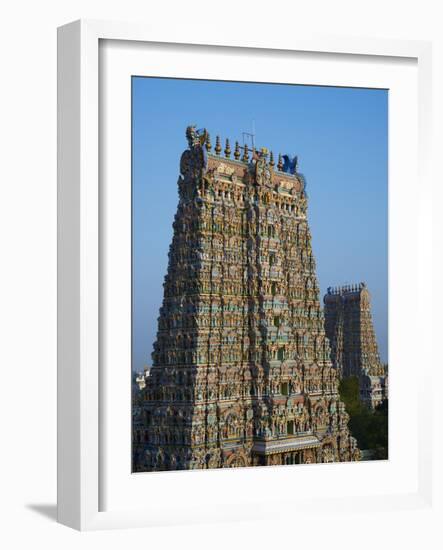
{"x": 354, "y": 350}
{"x": 241, "y": 373}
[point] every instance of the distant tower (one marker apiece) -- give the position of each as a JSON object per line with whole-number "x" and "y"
{"x": 354, "y": 350}
{"x": 241, "y": 371}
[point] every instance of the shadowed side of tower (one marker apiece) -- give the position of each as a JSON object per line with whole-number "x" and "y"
{"x": 241, "y": 371}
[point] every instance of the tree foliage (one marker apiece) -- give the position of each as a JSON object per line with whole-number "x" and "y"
{"x": 369, "y": 427}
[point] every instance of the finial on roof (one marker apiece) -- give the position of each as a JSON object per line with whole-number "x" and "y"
{"x": 280, "y": 163}
{"x": 208, "y": 142}
{"x": 271, "y": 160}
{"x": 245, "y": 157}
{"x": 237, "y": 151}
{"x": 227, "y": 149}
{"x": 217, "y": 145}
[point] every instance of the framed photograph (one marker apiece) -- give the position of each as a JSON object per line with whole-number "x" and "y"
{"x": 239, "y": 226}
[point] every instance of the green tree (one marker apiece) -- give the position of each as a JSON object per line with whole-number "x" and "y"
{"x": 369, "y": 427}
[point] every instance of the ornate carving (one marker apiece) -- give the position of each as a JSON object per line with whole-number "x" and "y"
{"x": 224, "y": 169}
{"x": 263, "y": 173}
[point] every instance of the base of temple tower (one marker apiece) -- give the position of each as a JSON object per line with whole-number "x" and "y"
{"x": 303, "y": 449}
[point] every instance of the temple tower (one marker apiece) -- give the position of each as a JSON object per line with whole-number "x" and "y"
{"x": 354, "y": 350}
{"x": 241, "y": 371}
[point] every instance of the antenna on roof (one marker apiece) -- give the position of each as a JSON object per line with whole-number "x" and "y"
{"x": 250, "y": 136}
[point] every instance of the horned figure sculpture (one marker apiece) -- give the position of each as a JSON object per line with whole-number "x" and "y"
{"x": 290, "y": 164}
{"x": 196, "y": 137}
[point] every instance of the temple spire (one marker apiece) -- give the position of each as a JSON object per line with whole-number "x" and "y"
{"x": 271, "y": 160}
{"x": 245, "y": 157}
{"x": 237, "y": 151}
{"x": 217, "y": 145}
{"x": 227, "y": 149}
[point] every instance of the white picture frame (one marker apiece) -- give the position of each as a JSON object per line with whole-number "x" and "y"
{"x": 82, "y": 413}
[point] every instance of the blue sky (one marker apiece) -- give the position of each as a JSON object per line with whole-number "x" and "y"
{"x": 341, "y": 138}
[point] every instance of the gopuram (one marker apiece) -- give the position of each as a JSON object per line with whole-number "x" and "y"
{"x": 354, "y": 350}
{"x": 241, "y": 373}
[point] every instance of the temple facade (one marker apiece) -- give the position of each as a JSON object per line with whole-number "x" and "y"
{"x": 242, "y": 372}
{"x": 354, "y": 350}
